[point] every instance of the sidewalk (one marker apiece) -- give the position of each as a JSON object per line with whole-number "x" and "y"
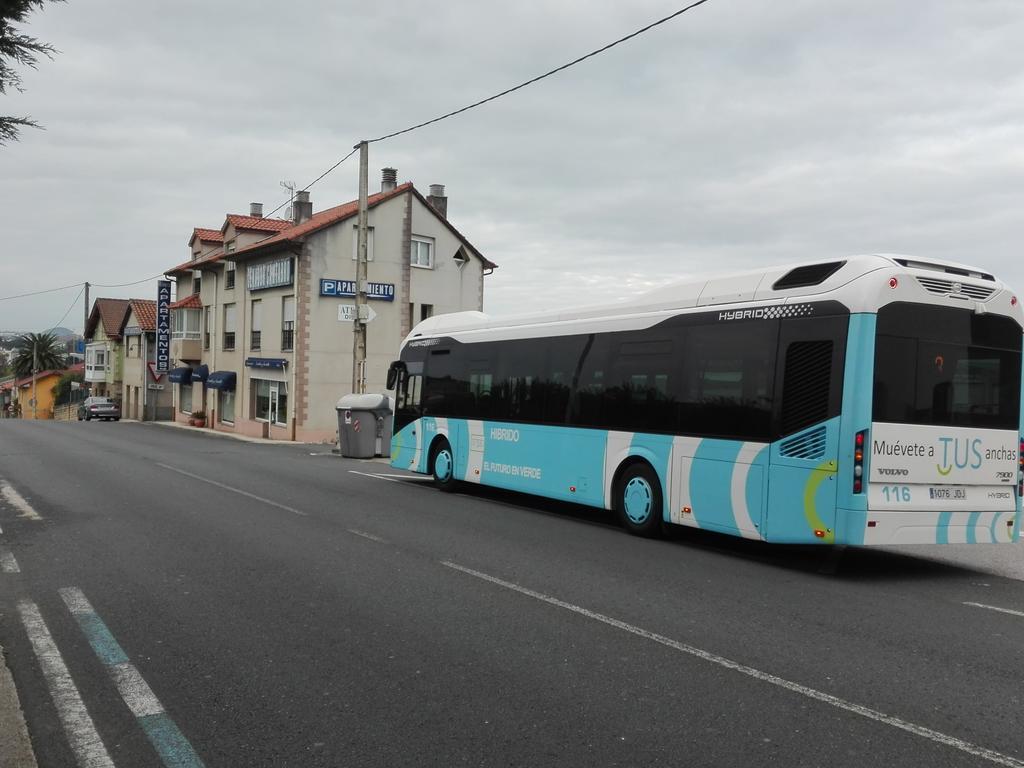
{"x": 218, "y": 433}
{"x": 15, "y": 745}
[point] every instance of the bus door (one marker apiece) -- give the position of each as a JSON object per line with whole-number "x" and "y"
{"x": 804, "y": 456}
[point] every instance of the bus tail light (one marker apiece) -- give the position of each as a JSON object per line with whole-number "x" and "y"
{"x": 858, "y": 460}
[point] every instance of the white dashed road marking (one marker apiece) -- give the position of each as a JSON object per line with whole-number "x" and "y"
{"x": 7, "y": 562}
{"x": 997, "y": 608}
{"x": 17, "y": 501}
{"x": 766, "y": 677}
{"x": 366, "y": 535}
{"x": 233, "y": 490}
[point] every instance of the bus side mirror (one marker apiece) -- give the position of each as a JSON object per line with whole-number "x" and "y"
{"x": 395, "y": 372}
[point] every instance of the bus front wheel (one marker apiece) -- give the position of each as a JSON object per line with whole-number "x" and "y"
{"x": 638, "y": 501}
{"x": 442, "y": 465}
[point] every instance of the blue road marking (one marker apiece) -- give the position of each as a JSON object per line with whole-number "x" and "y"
{"x": 170, "y": 743}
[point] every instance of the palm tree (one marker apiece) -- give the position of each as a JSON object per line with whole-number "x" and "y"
{"x": 35, "y": 352}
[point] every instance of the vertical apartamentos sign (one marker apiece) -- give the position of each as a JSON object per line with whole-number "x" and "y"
{"x": 163, "y": 326}
{"x": 269, "y": 274}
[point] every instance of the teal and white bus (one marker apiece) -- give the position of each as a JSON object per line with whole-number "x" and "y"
{"x": 874, "y": 400}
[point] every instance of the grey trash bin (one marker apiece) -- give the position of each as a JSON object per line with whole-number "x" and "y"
{"x": 362, "y": 420}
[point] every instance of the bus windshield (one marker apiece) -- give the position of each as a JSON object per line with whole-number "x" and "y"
{"x": 947, "y": 367}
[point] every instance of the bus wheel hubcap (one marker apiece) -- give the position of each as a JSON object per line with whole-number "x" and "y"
{"x": 637, "y": 497}
{"x": 443, "y": 465}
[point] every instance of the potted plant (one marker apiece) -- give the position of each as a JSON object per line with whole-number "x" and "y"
{"x": 198, "y": 419}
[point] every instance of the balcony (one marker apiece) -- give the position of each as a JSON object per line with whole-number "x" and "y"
{"x": 186, "y": 347}
{"x": 95, "y": 372}
{"x": 97, "y": 362}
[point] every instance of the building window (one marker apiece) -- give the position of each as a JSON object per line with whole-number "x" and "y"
{"x": 197, "y": 281}
{"x": 257, "y": 324}
{"x": 226, "y": 406}
{"x": 229, "y": 326}
{"x": 229, "y": 275}
{"x": 288, "y": 324}
{"x": 185, "y": 324}
{"x": 229, "y": 246}
{"x": 270, "y": 401}
{"x": 421, "y": 253}
{"x": 355, "y": 243}
{"x": 207, "y": 327}
{"x": 185, "y": 398}
{"x": 426, "y": 310}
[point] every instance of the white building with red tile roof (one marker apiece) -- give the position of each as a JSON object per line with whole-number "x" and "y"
{"x": 267, "y": 348}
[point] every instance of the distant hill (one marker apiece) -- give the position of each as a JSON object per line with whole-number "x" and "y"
{"x": 63, "y": 333}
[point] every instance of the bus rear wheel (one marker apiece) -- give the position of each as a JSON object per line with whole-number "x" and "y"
{"x": 638, "y": 501}
{"x": 442, "y": 465}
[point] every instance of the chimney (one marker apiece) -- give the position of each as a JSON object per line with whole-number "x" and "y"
{"x": 388, "y": 179}
{"x": 302, "y": 209}
{"x": 437, "y": 199}
{"x": 256, "y": 210}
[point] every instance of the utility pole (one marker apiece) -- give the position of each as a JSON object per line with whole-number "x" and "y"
{"x": 85, "y": 319}
{"x": 359, "y": 324}
{"x": 35, "y": 372}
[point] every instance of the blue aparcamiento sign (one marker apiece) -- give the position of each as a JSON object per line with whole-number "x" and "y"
{"x": 347, "y": 289}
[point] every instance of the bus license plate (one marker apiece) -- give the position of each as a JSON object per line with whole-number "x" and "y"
{"x": 945, "y": 492}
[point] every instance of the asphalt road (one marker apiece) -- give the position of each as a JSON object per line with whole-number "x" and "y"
{"x": 220, "y": 603}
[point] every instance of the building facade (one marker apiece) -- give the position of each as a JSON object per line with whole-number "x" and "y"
{"x": 146, "y": 395}
{"x": 104, "y": 351}
{"x": 274, "y": 307}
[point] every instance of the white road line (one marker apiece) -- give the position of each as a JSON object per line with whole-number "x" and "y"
{"x": 997, "y": 608}
{"x": 17, "y": 501}
{"x": 7, "y": 562}
{"x": 366, "y": 535}
{"x": 85, "y": 742}
{"x": 376, "y": 477}
{"x": 169, "y": 742}
{"x": 417, "y": 478}
{"x": 233, "y": 490}
{"x": 766, "y": 677}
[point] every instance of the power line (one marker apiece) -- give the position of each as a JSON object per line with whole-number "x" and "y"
{"x": 37, "y": 293}
{"x": 126, "y": 285}
{"x": 554, "y": 71}
{"x": 73, "y": 303}
{"x": 411, "y": 128}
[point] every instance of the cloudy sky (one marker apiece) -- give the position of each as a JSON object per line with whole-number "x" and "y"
{"x": 742, "y": 133}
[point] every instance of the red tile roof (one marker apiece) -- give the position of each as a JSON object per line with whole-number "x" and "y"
{"x": 339, "y": 213}
{"x": 206, "y": 235}
{"x": 257, "y": 223}
{"x": 188, "y": 266}
{"x": 189, "y": 302}
{"x": 113, "y": 313}
{"x": 324, "y": 219}
{"x": 27, "y": 381}
{"x": 145, "y": 313}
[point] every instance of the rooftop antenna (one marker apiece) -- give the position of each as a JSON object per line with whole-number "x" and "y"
{"x": 290, "y": 186}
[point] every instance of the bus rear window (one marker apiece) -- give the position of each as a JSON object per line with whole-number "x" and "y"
{"x": 947, "y": 367}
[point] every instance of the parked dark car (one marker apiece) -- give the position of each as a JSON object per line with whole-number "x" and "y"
{"x": 99, "y": 408}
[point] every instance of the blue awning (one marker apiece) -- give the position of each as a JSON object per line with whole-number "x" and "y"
{"x": 222, "y": 380}
{"x": 200, "y": 374}
{"x": 180, "y": 376}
